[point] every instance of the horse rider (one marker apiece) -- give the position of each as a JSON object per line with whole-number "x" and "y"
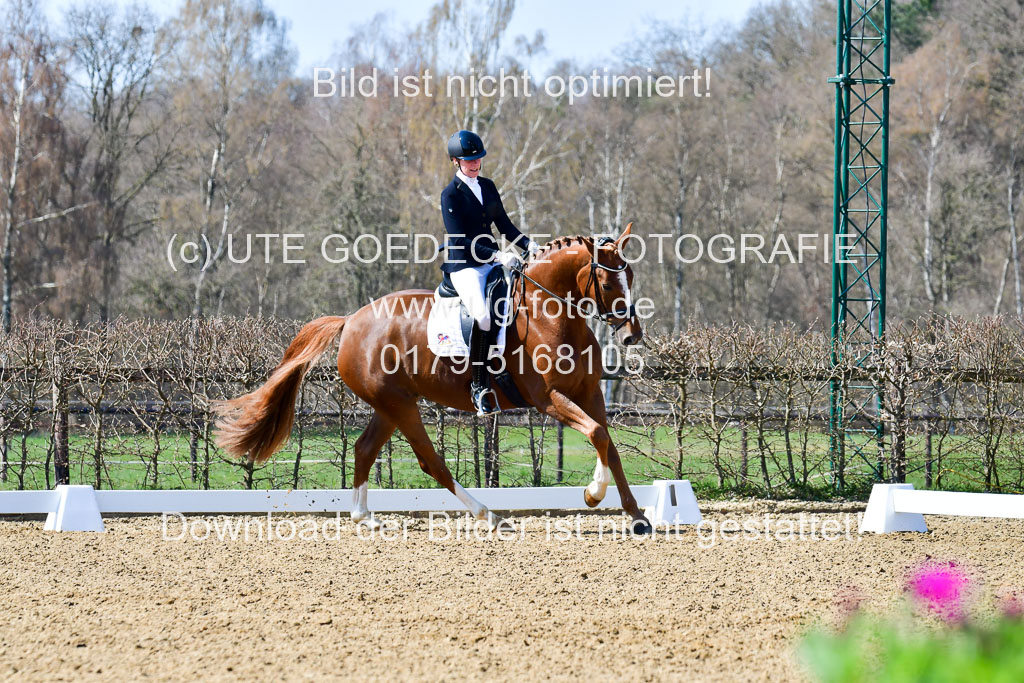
{"x": 470, "y": 205}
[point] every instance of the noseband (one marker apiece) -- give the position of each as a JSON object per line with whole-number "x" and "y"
{"x": 604, "y": 315}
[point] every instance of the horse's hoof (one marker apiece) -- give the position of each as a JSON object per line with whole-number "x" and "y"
{"x": 589, "y": 499}
{"x": 369, "y": 523}
{"x": 496, "y": 523}
{"x": 504, "y": 527}
{"x": 641, "y": 527}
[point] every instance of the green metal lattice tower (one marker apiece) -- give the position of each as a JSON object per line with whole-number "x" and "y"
{"x": 862, "y": 84}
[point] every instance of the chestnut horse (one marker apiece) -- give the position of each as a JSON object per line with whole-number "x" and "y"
{"x": 555, "y": 361}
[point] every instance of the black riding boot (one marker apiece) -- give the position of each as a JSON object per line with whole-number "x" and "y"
{"x": 484, "y": 399}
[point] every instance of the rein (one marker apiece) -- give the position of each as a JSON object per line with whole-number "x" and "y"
{"x": 602, "y": 315}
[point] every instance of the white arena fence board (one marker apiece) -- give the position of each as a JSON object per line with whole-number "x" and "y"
{"x": 898, "y": 507}
{"x": 80, "y": 508}
{"x": 959, "y": 504}
{"x": 28, "y": 502}
{"x": 340, "y": 500}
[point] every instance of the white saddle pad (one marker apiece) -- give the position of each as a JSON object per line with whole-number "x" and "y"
{"x": 444, "y": 330}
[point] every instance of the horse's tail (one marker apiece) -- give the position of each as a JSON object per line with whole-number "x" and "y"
{"x": 256, "y": 425}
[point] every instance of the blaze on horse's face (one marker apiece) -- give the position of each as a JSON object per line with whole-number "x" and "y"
{"x": 610, "y": 288}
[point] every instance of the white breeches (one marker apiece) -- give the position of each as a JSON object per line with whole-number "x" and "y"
{"x": 469, "y": 283}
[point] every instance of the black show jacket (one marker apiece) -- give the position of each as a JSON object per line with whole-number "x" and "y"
{"x": 468, "y": 224}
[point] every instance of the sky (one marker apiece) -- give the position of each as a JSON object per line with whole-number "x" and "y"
{"x": 584, "y": 30}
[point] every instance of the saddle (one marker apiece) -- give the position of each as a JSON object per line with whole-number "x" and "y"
{"x": 496, "y": 294}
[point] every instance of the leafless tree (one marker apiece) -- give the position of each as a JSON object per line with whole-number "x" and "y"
{"x": 129, "y": 139}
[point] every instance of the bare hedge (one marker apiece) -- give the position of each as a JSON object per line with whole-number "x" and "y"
{"x": 730, "y": 407}
{"x": 951, "y": 403}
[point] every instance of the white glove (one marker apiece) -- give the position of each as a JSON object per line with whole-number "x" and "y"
{"x": 532, "y": 248}
{"x": 509, "y": 260}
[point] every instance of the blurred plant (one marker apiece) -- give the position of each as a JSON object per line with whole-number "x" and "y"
{"x": 910, "y": 646}
{"x": 940, "y": 589}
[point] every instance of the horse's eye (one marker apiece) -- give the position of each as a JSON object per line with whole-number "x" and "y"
{"x": 606, "y": 287}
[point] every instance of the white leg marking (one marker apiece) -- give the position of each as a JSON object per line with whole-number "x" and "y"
{"x": 359, "y": 509}
{"x": 599, "y": 486}
{"x": 477, "y": 510}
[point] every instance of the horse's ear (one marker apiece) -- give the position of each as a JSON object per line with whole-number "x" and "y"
{"x": 624, "y": 235}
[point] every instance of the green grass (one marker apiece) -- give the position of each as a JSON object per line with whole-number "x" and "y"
{"x": 647, "y": 453}
{"x": 133, "y": 457}
{"x": 902, "y": 650}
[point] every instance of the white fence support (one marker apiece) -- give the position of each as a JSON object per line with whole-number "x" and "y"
{"x": 80, "y": 508}
{"x": 898, "y": 507}
{"x": 77, "y": 510}
{"x": 674, "y": 504}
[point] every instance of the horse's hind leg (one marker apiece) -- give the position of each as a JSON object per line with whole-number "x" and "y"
{"x": 368, "y": 445}
{"x": 410, "y": 424}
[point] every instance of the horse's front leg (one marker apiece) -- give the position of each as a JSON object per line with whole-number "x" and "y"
{"x": 592, "y": 423}
{"x": 598, "y": 487}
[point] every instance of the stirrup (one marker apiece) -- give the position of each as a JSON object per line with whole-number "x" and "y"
{"x": 481, "y": 403}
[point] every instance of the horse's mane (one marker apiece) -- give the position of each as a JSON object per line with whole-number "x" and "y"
{"x": 560, "y": 243}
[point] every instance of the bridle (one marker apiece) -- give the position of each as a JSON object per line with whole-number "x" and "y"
{"x": 603, "y": 314}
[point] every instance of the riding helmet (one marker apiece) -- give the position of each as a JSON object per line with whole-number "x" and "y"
{"x": 466, "y": 145}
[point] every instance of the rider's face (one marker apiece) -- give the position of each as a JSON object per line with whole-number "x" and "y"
{"x": 470, "y": 168}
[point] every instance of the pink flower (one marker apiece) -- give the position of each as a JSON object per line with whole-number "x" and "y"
{"x": 1012, "y": 606}
{"x": 848, "y": 601}
{"x": 941, "y": 589}
{"x": 847, "y": 606}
